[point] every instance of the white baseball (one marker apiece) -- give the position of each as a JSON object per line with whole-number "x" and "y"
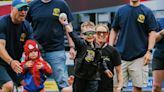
{"x": 63, "y": 15}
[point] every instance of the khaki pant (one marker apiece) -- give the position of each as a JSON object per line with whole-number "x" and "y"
{"x": 134, "y": 70}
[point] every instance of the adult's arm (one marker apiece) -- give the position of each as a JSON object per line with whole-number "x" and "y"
{"x": 3, "y": 53}
{"x": 8, "y": 59}
{"x": 152, "y": 26}
{"x": 151, "y": 43}
{"x": 113, "y": 36}
{"x": 159, "y": 35}
{"x": 151, "y": 40}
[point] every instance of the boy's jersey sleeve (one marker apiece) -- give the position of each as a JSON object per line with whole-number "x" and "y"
{"x": 76, "y": 39}
{"x": 116, "y": 58}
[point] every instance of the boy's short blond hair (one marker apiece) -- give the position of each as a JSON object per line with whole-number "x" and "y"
{"x": 103, "y": 25}
{"x": 87, "y": 25}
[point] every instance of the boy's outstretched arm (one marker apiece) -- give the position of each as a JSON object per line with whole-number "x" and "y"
{"x": 69, "y": 29}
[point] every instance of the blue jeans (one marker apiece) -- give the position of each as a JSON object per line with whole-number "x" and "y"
{"x": 57, "y": 60}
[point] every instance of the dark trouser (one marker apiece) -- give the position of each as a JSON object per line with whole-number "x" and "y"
{"x": 157, "y": 64}
{"x": 83, "y": 85}
{"x": 105, "y": 85}
{"x": 7, "y": 74}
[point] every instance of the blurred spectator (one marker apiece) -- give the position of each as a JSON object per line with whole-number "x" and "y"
{"x": 158, "y": 59}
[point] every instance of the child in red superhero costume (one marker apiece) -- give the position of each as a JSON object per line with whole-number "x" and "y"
{"x": 34, "y": 68}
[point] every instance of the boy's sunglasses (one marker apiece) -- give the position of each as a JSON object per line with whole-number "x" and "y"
{"x": 23, "y": 8}
{"x": 89, "y": 33}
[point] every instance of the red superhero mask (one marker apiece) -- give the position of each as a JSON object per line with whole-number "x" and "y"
{"x": 29, "y": 46}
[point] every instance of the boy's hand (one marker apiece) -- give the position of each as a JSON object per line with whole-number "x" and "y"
{"x": 29, "y": 64}
{"x": 72, "y": 53}
{"x": 108, "y": 73}
{"x": 118, "y": 89}
{"x": 63, "y": 19}
{"x": 39, "y": 66}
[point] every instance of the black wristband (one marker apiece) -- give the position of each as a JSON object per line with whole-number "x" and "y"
{"x": 150, "y": 50}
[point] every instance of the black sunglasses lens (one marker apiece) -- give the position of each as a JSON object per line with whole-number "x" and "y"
{"x": 23, "y": 9}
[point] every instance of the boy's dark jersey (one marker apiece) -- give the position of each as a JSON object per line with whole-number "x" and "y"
{"x": 111, "y": 57}
{"x": 86, "y": 61}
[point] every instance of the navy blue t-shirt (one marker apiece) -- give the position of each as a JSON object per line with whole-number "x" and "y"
{"x": 159, "y": 50}
{"x": 134, "y": 24}
{"x": 15, "y": 36}
{"x": 48, "y": 31}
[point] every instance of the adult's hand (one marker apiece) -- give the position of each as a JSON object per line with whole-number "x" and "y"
{"x": 147, "y": 58}
{"x": 15, "y": 65}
